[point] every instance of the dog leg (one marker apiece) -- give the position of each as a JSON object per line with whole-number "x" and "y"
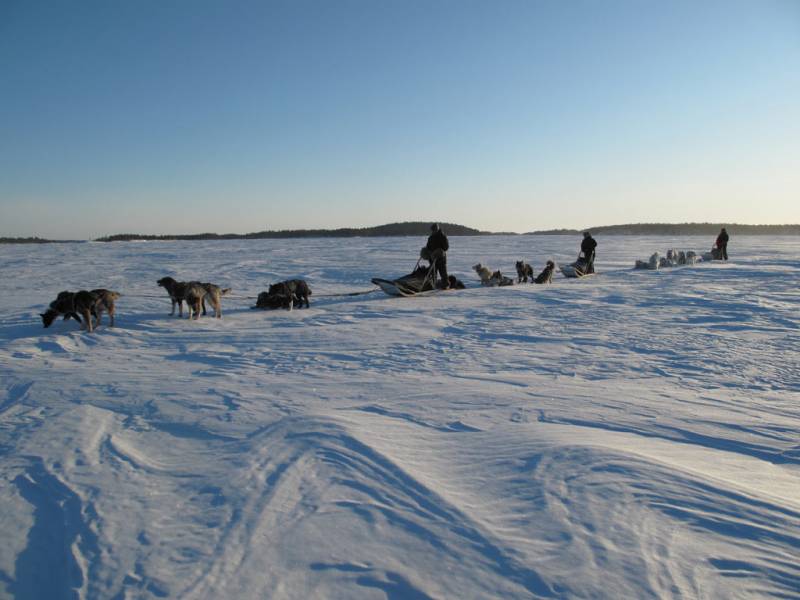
{"x": 111, "y": 310}
{"x": 87, "y": 317}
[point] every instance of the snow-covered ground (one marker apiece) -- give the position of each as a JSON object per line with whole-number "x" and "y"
{"x": 630, "y": 435}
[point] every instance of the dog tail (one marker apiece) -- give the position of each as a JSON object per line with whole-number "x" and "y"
{"x": 225, "y": 291}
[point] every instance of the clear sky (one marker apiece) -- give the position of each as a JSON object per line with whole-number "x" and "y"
{"x": 155, "y": 116}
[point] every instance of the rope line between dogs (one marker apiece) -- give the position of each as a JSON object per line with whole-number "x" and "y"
{"x": 237, "y": 297}
{"x": 345, "y": 294}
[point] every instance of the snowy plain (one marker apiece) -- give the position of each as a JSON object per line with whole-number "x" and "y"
{"x": 635, "y": 434}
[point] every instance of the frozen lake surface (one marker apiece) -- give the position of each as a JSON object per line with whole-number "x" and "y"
{"x": 630, "y": 435}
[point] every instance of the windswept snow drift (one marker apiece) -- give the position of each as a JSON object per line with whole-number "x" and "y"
{"x": 628, "y": 435}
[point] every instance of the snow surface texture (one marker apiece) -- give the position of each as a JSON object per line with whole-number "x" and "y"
{"x": 628, "y": 435}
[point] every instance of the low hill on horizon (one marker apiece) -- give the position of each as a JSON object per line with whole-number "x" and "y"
{"x": 410, "y": 228}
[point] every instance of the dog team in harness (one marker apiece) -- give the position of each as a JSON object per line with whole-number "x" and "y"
{"x": 434, "y": 276}
{"x": 83, "y": 305}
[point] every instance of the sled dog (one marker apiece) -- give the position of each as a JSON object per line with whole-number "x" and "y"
{"x": 196, "y": 293}
{"x": 82, "y": 304}
{"x": 546, "y": 276}
{"x": 176, "y": 291}
{"x": 524, "y": 271}
{"x": 106, "y": 301}
{"x": 485, "y": 273}
{"x": 295, "y": 290}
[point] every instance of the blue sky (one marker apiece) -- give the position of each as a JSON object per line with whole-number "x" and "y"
{"x": 190, "y": 116}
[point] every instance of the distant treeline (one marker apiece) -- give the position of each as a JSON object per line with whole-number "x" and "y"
{"x": 31, "y": 240}
{"x": 707, "y": 229}
{"x": 416, "y": 228}
{"x": 422, "y": 228}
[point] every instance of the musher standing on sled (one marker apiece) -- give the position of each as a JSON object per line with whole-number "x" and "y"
{"x": 722, "y": 244}
{"x": 435, "y": 252}
{"x": 587, "y": 247}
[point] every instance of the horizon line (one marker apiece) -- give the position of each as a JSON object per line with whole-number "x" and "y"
{"x": 551, "y": 231}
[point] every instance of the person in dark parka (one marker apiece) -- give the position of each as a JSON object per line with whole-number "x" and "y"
{"x": 437, "y": 248}
{"x": 588, "y": 246}
{"x": 722, "y": 244}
